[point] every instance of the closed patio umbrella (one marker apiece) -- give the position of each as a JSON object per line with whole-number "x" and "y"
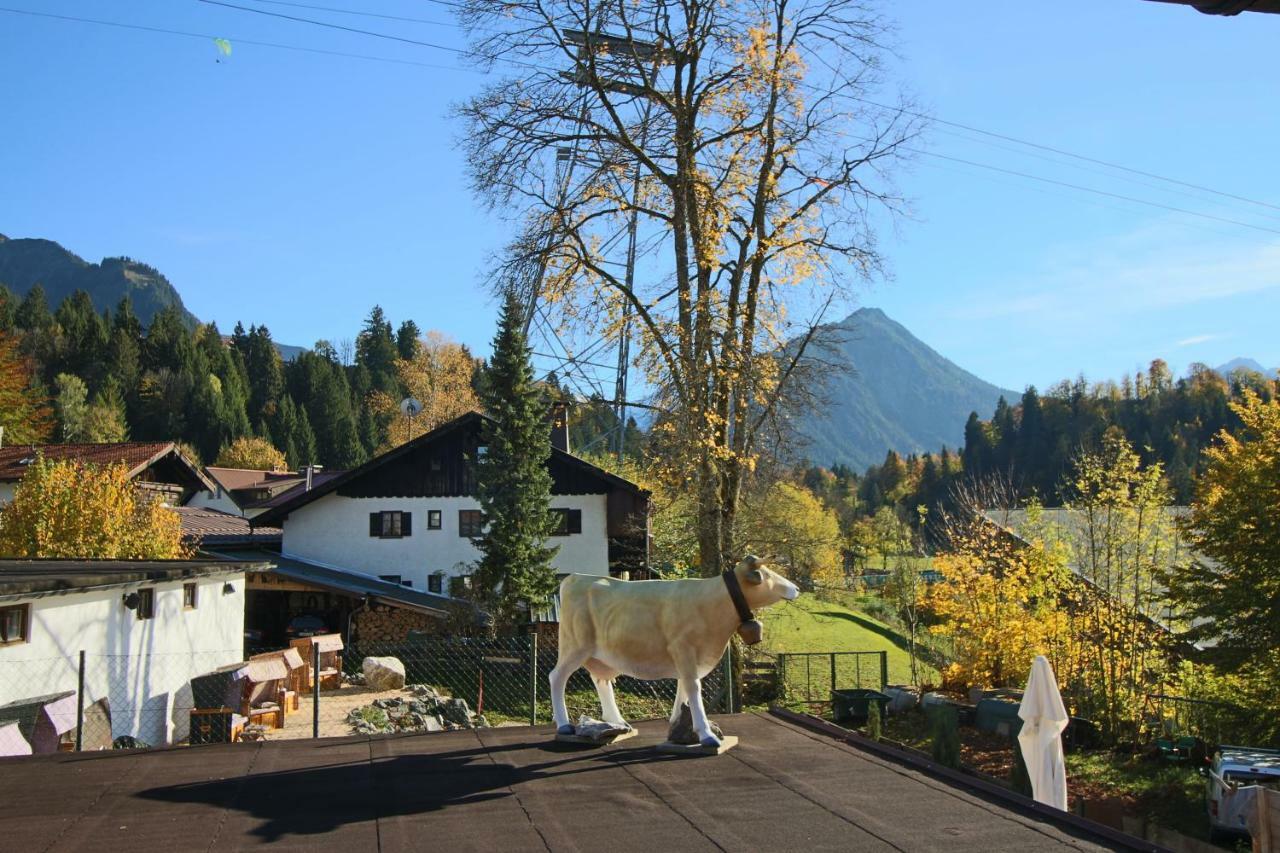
{"x": 1043, "y": 719}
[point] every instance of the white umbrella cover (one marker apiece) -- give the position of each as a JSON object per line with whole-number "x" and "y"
{"x": 1043, "y": 719}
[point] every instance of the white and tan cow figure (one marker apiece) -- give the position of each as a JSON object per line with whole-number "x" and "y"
{"x": 654, "y": 629}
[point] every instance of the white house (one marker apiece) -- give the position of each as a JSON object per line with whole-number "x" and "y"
{"x": 410, "y": 516}
{"x": 145, "y": 628}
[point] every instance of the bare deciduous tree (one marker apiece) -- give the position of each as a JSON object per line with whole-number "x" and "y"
{"x": 701, "y": 170}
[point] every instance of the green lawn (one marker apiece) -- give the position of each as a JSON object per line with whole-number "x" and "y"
{"x": 809, "y": 624}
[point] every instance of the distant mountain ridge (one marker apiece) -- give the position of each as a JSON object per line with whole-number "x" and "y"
{"x": 1248, "y": 364}
{"x": 26, "y": 262}
{"x": 893, "y": 393}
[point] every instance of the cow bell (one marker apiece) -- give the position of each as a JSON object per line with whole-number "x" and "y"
{"x": 751, "y": 632}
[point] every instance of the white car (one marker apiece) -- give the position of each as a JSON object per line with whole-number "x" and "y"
{"x": 1234, "y": 777}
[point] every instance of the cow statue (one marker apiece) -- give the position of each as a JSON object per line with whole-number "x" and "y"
{"x": 658, "y": 629}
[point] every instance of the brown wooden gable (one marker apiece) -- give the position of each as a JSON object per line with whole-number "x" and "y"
{"x": 442, "y": 468}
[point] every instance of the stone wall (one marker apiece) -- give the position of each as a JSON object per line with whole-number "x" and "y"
{"x": 382, "y": 624}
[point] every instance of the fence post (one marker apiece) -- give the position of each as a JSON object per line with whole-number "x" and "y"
{"x": 884, "y": 669}
{"x": 533, "y": 677}
{"x": 80, "y": 706}
{"x": 315, "y": 689}
{"x": 833, "y": 671}
{"x": 781, "y": 675}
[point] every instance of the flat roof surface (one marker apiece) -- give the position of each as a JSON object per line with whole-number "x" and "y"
{"x": 781, "y": 788}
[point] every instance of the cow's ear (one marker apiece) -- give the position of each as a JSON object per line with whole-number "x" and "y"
{"x": 755, "y": 576}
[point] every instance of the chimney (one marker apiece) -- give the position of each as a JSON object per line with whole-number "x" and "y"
{"x": 310, "y": 470}
{"x": 560, "y": 426}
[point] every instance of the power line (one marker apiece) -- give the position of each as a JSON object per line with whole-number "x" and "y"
{"x": 362, "y": 14}
{"x": 1070, "y": 185}
{"x": 333, "y": 26}
{"x": 1059, "y": 151}
{"x": 237, "y": 40}
{"x": 970, "y": 128}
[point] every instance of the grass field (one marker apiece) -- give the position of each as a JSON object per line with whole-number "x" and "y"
{"x": 810, "y": 624}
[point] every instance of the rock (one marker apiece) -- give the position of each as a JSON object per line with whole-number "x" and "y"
{"x": 597, "y": 730}
{"x": 385, "y": 673}
{"x": 456, "y": 711}
{"x": 682, "y": 730}
{"x": 433, "y": 724}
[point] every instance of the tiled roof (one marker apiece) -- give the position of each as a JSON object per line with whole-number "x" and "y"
{"x": 208, "y": 527}
{"x": 247, "y": 478}
{"x": 15, "y": 459}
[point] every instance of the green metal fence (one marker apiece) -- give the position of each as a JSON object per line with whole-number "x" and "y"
{"x": 807, "y": 678}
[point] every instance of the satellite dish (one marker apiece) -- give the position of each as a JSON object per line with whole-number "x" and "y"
{"x": 410, "y": 407}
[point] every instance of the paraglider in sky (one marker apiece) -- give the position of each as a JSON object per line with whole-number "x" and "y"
{"x": 224, "y": 48}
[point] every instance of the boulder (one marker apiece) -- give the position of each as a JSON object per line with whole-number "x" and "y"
{"x": 682, "y": 732}
{"x": 383, "y": 673}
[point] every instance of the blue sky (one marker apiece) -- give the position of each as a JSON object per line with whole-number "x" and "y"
{"x": 296, "y": 189}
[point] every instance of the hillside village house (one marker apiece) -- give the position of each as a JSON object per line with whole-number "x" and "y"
{"x": 407, "y": 518}
{"x": 249, "y": 493}
{"x": 146, "y": 628}
{"x": 157, "y": 467}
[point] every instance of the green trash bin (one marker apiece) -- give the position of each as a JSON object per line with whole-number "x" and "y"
{"x": 853, "y": 706}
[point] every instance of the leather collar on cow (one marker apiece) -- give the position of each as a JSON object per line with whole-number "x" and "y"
{"x": 750, "y": 630}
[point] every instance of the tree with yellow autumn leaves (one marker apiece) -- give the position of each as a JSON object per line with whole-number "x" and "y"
{"x": 439, "y": 376}
{"x": 702, "y": 174}
{"x": 75, "y": 510}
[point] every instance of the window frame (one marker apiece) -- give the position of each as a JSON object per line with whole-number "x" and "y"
{"x": 435, "y": 519}
{"x": 569, "y": 523}
{"x": 24, "y": 631}
{"x": 191, "y": 601}
{"x": 469, "y": 520}
{"x": 391, "y": 524}
{"x": 146, "y": 604}
{"x": 435, "y": 583}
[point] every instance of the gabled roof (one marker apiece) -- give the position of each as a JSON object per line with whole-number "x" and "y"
{"x": 205, "y": 527}
{"x": 137, "y": 456}
{"x": 471, "y": 420}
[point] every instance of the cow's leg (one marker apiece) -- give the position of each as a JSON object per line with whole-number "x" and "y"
{"x": 602, "y": 676}
{"x": 569, "y": 661}
{"x": 680, "y": 700}
{"x": 691, "y": 687}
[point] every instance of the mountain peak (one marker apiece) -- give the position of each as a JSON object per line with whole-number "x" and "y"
{"x": 887, "y": 390}
{"x": 1248, "y": 364}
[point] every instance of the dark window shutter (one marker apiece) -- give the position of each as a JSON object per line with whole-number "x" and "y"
{"x": 406, "y": 523}
{"x": 375, "y": 524}
{"x": 575, "y": 521}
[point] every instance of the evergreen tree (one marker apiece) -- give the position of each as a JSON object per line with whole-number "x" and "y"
{"x": 376, "y": 352}
{"x": 106, "y": 421}
{"x": 33, "y": 312}
{"x": 513, "y": 484}
{"x": 407, "y": 339}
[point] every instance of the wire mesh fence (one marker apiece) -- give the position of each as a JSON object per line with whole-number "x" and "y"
{"x": 92, "y": 700}
{"x": 808, "y": 678}
{"x": 467, "y": 682}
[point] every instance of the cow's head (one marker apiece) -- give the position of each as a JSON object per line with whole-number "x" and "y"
{"x": 761, "y": 585}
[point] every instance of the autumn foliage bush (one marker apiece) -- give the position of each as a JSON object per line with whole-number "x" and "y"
{"x": 76, "y": 510}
